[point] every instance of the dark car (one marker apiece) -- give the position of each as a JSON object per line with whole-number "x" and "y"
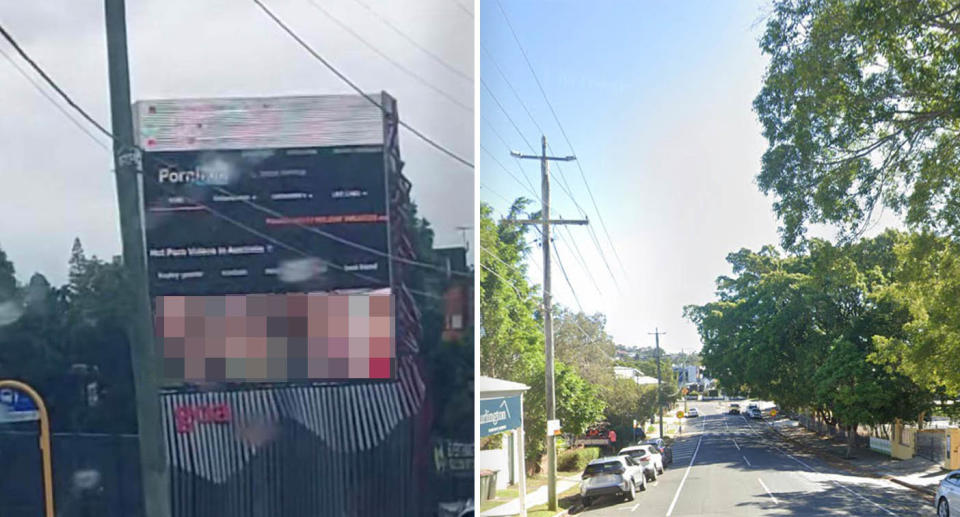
{"x": 665, "y": 450}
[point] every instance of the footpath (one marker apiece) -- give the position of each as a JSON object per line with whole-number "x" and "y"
{"x": 916, "y": 473}
{"x": 535, "y": 498}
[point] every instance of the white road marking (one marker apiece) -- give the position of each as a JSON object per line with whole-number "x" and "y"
{"x": 635, "y": 507}
{"x": 735, "y": 443}
{"x": 835, "y": 482}
{"x": 682, "y": 481}
{"x": 768, "y": 491}
{"x": 746, "y": 460}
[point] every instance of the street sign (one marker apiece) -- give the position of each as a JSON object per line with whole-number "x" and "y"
{"x": 16, "y": 406}
{"x": 553, "y": 427}
{"x": 679, "y": 414}
{"x": 773, "y": 412}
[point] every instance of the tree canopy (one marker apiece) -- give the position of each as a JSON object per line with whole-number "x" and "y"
{"x": 802, "y": 330}
{"x": 860, "y": 106}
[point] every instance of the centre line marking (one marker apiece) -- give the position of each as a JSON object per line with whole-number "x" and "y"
{"x": 746, "y": 460}
{"x": 685, "y": 474}
{"x": 768, "y": 491}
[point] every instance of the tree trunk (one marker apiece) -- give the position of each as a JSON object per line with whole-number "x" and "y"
{"x": 851, "y": 439}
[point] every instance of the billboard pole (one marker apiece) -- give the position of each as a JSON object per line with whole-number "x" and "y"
{"x": 139, "y": 325}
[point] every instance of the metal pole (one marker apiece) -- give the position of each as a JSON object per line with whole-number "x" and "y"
{"x": 523, "y": 464}
{"x": 548, "y": 329}
{"x": 139, "y": 326}
{"x": 45, "y": 452}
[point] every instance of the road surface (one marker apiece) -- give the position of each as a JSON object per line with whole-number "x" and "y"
{"x": 729, "y": 465}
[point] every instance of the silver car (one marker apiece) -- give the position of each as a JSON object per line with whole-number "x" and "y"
{"x": 948, "y": 494}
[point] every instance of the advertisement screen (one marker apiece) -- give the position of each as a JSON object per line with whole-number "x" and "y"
{"x": 249, "y": 254}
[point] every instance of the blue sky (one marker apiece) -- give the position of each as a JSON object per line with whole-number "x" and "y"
{"x": 656, "y": 99}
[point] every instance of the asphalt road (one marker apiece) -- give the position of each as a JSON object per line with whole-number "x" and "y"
{"x": 729, "y": 465}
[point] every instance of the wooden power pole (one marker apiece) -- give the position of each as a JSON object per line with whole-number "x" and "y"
{"x": 545, "y": 223}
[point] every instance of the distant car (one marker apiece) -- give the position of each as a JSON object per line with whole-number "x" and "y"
{"x": 648, "y": 456}
{"x": 752, "y": 405}
{"x": 611, "y": 475}
{"x": 665, "y": 450}
{"x": 754, "y": 413}
{"x": 692, "y": 413}
{"x": 734, "y": 409}
{"x": 948, "y": 494}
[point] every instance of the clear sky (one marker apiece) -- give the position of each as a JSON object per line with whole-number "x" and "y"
{"x": 56, "y": 182}
{"x": 656, "y": 99}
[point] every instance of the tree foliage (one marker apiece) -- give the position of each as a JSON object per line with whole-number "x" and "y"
{"x": 801, "y": 329}
{"x": 511, "y": 335}
{"x": 860, "y": 106}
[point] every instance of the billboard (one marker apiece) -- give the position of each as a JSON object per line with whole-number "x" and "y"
{"x": 267, "y": 230}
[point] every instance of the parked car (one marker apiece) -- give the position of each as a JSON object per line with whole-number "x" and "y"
{"x": 734, "y": 409}
{"x": 692, "y": 413}
{"x": 754, "y": 413}
{"x": 611, "y": 475}
{"x": 648, "y": 457}
{"x": 665, "y": 450}
{"x": 948, "y": 494}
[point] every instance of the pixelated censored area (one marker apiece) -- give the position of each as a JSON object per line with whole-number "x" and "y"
{"x": 276, "y": 337}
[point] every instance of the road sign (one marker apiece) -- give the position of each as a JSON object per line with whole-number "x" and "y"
{"x": 773, "y": 412}
{"x": 553, "y": 427}
{"x": 16, "y": 406}
{"x": 679, "y": 414}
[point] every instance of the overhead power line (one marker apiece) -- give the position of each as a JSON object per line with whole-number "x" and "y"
{"x": 53, "y": 101}
{"x": 306, "y": 46}
{"x": 110, "y": 135}
{"x": 563, "y": 270}
{"x": 563, "y": 132}
{"x": 400, "y": 66}
{"x": 413, "y": 42}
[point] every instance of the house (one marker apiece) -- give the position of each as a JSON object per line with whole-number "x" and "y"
{"x": 625, "y": 372}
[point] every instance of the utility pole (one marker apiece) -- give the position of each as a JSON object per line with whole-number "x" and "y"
{"x": 139, "y": 326}
{"x": 657, "y": 333}
{"x": 545, "y": 222}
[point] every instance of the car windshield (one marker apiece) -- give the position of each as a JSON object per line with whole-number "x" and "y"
{"x": 607, "y": 467}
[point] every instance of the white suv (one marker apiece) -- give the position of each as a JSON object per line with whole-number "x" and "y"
{"x": 648, "y": 457}
{"x": 612, "y": 475}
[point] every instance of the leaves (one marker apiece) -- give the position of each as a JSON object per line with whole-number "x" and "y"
{"x": 802, "y": 330}
{"x": 861, "y": 108}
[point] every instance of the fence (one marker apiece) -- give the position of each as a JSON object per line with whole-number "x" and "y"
{"x": 880, "y": 445}
{"x": 862, "y": 438}
{"x": 93, "y": 474}
{"x": 932, "y": 445}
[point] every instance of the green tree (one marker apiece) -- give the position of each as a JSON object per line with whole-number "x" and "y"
{"x": 801, "y": 330}
{"x": 511, "y": 334}
{"x": 627, "y": 401}
{"x": 581, "y": 341}
{"x": 860, "y": 106}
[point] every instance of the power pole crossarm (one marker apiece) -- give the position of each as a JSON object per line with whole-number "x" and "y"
{"x": 579, "y": 222}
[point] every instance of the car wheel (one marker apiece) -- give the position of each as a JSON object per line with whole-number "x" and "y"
{"x": 660, "y": 469}
{"x": 653, "y": 474}
{"x": 587, "y": 501}
{"x": 943, "y": 508}
{"x": 632, "y": 493}
{"x": 643, "y": 483}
